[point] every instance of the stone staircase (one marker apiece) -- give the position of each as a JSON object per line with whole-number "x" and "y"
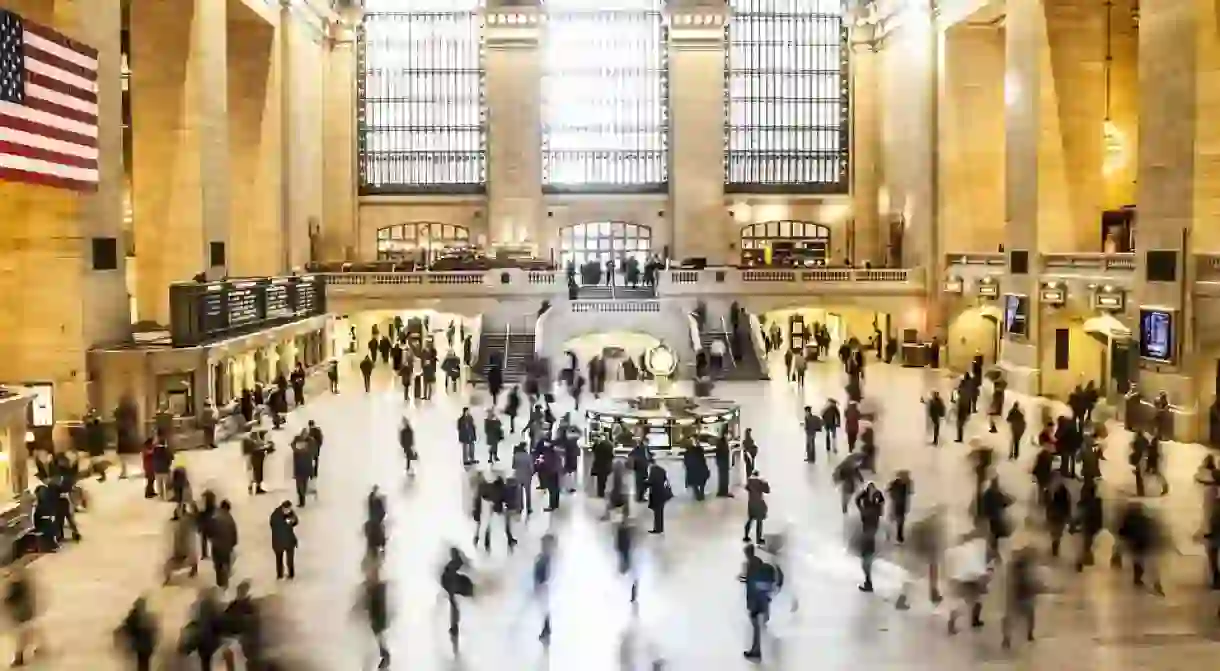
{"x": 515, "y": 354}
{"x": 747, "y": 369}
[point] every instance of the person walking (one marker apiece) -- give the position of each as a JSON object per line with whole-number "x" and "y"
{"x": 659, "y": 494}
{"x": 493, "y": 433}
{"x": 138, "y": 633}
{"x": 467, "y": 437}
{"x": 284, "y": 540}
{"x": 756, "y": 507}
{"x": 763, "y": 580}
{"x": 302, "y": 469}
{"x": 223, "y": 537}
{"x": 871, "y": 504}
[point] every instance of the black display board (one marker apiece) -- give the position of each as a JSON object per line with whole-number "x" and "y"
{"x": 201, "y": 312}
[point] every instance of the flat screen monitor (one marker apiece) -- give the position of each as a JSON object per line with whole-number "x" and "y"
{"x": 1016, "y": 314}
{"x": 1158, "y": 334}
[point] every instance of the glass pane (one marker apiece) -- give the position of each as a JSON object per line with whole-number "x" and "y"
{"x": 420, "y": 88}
{"x": 579, "y": 230}
{"x": 786, "y": 88}
{"x": 617, "y": 228}
{"x": 620, "y": 244}
{"x": 603, "y": 228}
{"x": 604, "y": 90}
{"x": 785, "y": 229}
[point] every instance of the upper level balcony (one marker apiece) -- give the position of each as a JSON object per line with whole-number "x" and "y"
{"x": 355, "y": 290}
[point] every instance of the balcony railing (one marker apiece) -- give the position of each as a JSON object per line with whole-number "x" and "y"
{"x": 547, "y": 284}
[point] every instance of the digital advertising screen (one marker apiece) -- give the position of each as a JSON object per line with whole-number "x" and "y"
{"x": 1016, "y": 314}
{"x": 1158, "y": 334}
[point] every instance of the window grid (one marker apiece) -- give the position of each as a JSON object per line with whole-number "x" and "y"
{"x": 419, "y": 241}
{"x": 605, "y": 98}
{"x": 787, "y": 96}
{"x": 602, "y": 241}
{"x": 421, "y": 111}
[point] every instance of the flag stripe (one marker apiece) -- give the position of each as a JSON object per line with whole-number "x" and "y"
{"x": 60, "y": 45}
{"x": 12, "y": 135}
{"x": 33, "y": 53}
{"x": 43, "y": 93}
{"x": 42, "y": 179}
{"x": 35, "y": 78}
{"x": 79, "y": 85}
{"x": 85, "y": 123}
{"x": 31, "y": 114}
{"x": 17, "y": 123}
{"x": 27, "y": 151}
{"x": 45, "y": 167}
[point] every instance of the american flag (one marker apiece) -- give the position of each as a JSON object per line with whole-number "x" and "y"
{"x": 48, "y": 107}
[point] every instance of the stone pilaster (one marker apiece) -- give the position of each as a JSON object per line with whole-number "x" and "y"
{"x": 696, "y": 132}
{"x": 339, "y": 235}
{"x": 180, "y": 180}
{"x": 1054, "y": 113}
{"x": 1179, "y": 183}
{"x": 514, "y": 125}
{"x": 254, "y": 144}
{"x": 302, "y": 63}
{"x": 870, "y": 240}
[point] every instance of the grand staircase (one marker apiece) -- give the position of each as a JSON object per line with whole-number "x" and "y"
{"x": 602, "y": 292}
{"x": 514, "y": 350}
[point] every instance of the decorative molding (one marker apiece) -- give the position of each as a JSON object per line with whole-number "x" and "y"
{"x": 511, "y": 28}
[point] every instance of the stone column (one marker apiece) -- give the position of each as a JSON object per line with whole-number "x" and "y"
{"x": 700, "y": 224}
{"x": 1179, "y": 189}
{"x": 180, "y": 181}
{"x": 339, "y": 235}
{"x": 1054, "y": 112}
{"x": 514, "y": 125}
{"x": 870, "y": 239}
{"x": 302, "y": 64}
{"x": 254, "y": 144}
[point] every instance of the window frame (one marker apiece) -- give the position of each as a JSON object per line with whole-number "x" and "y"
{"x": 830, "y": 169}
{"x": 372, "y": 132}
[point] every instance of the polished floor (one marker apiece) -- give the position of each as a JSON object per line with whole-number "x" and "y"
{"x": 692, "y": 611}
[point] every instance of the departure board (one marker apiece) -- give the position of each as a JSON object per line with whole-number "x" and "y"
{"x": 202, "y": 312}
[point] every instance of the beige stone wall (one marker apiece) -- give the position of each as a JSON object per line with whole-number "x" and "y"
{"x": 339, "y": 223}
{"x": 696, "y": 179}
{"x": 1119, "y": 167}
{"x": 514, "y": 131}
{"x": 972, "y": 139}
{"x": 304, "y": 56}
{"x": 57, "y": 305}
{"x": 254, "y": 143}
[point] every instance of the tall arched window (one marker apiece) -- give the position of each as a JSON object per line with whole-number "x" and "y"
{"x": 604, "y": 105}
{"x": 604, "y": 240}
{"x": 420, "y": 87}
{"x": 419, "y": 241}
{"x": 787, "y": 96}
{"x": 785, "y": 243}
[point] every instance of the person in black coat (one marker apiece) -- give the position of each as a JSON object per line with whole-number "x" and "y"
{"x": 899, "y": 494}
{"x": 694, "y": 462}
{"x": 493, "y": 433}
{"x": 138, "y": 633}
{"x": 384, "y": 347}
{"x": 1058, "y": 511}
{"x": 222, "y": 533}
{"x": 603, "y": 463}
{"x": 406, "y": 440}
{"x": 659, "y": 494}
{"x": 723, "y": 460}
{"x": 302, "y": 469}
{"x": 284, "y": 540}
{"x": 640, "y": 460}
{"x": 1016, "y": 427}
{"x": 204, "y": 633}
{"x": 495, "y": 379}
{"x": 467, "y": 437}
{"x": 366, "y": 371}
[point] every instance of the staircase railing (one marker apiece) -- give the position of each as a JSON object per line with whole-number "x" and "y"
{"x": 539, "y": 328}
{"x": 728, "y": 341}
{"x": 508, "y": 331}
{"x": 756, "y": 341}
{"x": 695, "y": 338}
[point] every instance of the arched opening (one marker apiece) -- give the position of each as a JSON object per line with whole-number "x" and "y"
{"x": 785, "y": 243}
{"x": 421, "y": 242}
{"x": 1119, "y": 361}
{"x": 973, "y": 332}
{"x": 601, "y": 241}
{"x": 795, "y": 325}
{"x": 1071, "y": 354}
{"x": 614, "y": 346}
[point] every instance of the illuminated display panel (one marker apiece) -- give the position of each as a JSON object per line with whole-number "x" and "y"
{"x": 420, "y": 85}
{"x": 604, "y": 104}
{"x": 787, "y": 96}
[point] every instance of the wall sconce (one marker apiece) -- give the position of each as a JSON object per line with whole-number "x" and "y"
{"x": 989, "y": 288}
{"x": 954, "y": 285}
{"x": 1109, "y": 299}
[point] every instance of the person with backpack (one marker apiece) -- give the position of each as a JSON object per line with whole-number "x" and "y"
{"x": 813, "y": 426}
{"x": 763, "y": 580}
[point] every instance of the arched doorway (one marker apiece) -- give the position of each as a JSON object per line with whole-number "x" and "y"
{"x": 974, "y": 331}
{"x": 1119, "y": 363}
{"x": 419, "y": 241}
{"x": 604, "y": 240}
{"x": 785, "y": 243}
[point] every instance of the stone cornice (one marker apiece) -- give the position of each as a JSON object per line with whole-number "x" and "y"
{"x": 512, "y": 27}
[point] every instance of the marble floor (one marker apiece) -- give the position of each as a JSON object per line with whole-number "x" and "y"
{"x": 691, "y": 613}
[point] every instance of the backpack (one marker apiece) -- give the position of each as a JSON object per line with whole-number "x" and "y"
{"x": 542, "y": 570}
